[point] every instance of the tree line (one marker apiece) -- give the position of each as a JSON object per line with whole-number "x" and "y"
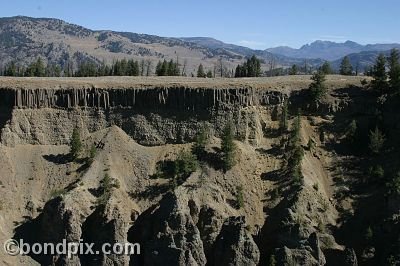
{"x": 87, "y": 68}
{"x": 250, "y": 68}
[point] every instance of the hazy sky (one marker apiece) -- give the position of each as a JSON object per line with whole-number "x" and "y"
{"x": 256, "y": 24}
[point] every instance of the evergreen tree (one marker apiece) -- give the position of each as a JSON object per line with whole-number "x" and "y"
{"x": 228, "y": 147}
{"x": 326, "y": 68}
{"x": 250, "y": 68}
{"x": 351, "y": 131}
{"x": 171, "y": 68}
{"x": 283, "y": 122}
{"x": 376, "y": 140}
{"x": 200, "y": 71}
{"x": 158, "y": 68}
{"x": 201, "y": 141}
{"x": 345, "y": 67}
{"x": 11, "y": 70}
{"x": 185, "y": 164}
{"x": 92, "y": 154}
{"x": 209, "y": 74}
{"x": 75, "y": 145}
{"x": 293, "y": 70}
{"x": 124, "y": 67}
{"x": 394, "y": 70}
{"x": 317, "y": 87}
{"x": 164, "y": 68}
{"x": 379, "y": 74}
{"x": 253, "y": 67}
{"x": 40, "y": 69}
{"x": 296, "y": 152}
{"x": 394, "y": 185}
{"x": 141, "y": 68}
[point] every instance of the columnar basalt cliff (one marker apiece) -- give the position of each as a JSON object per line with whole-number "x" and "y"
{"x": 175, "y": 98}
{"x": 152, "y": 115}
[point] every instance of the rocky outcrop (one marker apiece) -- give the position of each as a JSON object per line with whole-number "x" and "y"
{"x": 234, "y": 245}
{"x": 53, "y": 225}
{"x": 169, "y": 236}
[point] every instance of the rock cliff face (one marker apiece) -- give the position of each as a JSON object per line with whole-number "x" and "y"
{"x": 253, "y": 214}
{"x": 152, "y": 116}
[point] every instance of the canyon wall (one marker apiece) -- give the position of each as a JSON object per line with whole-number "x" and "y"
{"x": 152, "y": 116}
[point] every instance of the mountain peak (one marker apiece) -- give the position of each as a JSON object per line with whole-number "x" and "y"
{"x": 329, "y": 50}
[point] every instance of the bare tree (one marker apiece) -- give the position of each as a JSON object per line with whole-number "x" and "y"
{"x": 271, "y": 63}
{"x": 221, "y": 69}
{"x": 142, "y": 67}
{"x": 221, "y": 66}
{"x": 305, "y": 66}
{"x": 148, "y": 67}
{"x": 184, "y": 68}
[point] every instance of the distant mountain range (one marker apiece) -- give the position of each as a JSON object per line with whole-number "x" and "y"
{"x": 23, "y": 39}
{"x": 330, "y": 50}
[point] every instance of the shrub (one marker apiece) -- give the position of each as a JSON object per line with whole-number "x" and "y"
{"x": 179, "y": 170}
{"x": 185, "y": 164}
{"x": 376, "y": 172}
{"x": 275, "y": 193}
{"x": 239, "y": 197}
{"x": 321, "y": 227}
{"x": 272, "y": 260}
{"x": 92, "y": 151}
{"x": 310, "y": 144}
{"x": 364, "y": 82}
{"x": 369, "y": 234}
{"x": 57, "y": 193}
{"x": 394, "y": 185}
{"x": 92, "y": 154}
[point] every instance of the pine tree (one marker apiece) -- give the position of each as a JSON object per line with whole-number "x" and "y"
{"x": 379, "y": 74}
{"x": 394, "y": 185}
{"x": 164, "y": 68}
{"x": 394, "y": 70}
{"x": 201, "y": 141}
{"x": 250, "y": 68}
{"x": 228, "y": 147}
{"x": 296, "y": 151}
{"x": 376, "y": 140}
{"x": 11, "y": 69}
{"x": 345, "y": 67}
{"x": 209, "y": 74}
{"x": 200, "y": 71}
{"x": 39, "y": 68}
{"x": 185, "y": 164}
{"x": 75, "y": 145}
{"x": 351, "y": 131}
{"x": 326, "y": 68}
{"x": 317, "y": 87}
{"x": 283, "y": 123}
{"x": 293, "y": 70}
{"x": 158, "y": 68}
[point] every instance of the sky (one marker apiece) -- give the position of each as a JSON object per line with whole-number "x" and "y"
{"x": 253, "y": 23}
